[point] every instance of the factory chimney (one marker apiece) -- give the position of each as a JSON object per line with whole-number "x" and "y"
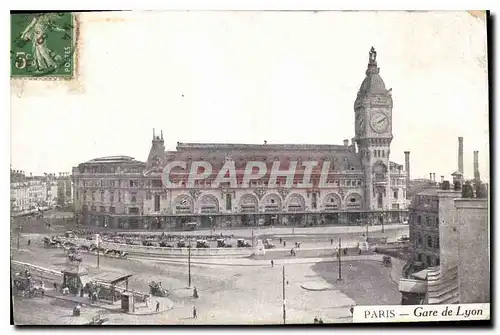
{"x": 477, "y": 177}
{"x": 461, "y": 155}
{"x": 407, "y": 167}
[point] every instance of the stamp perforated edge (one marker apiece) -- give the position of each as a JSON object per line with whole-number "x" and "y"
{"x": 76, "y": 66}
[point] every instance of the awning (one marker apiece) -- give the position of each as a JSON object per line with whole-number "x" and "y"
{"x": 412, "y": 286}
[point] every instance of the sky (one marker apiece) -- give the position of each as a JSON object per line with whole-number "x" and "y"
{"x": 247, "y": 77}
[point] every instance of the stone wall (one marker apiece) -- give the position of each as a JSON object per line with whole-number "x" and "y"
{"x": 473, "y": 250}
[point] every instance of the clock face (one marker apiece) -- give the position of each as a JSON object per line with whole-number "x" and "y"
{"x": 379, "y": 122}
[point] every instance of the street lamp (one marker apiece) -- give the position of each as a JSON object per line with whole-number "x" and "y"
{"x": 284, "y": 297}
{"x": 189, "y": 262}
{"x": 340, "y": 261}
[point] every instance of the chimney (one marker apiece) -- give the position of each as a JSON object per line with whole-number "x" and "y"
{"x": 407, "y": 167}
{"x": 461, "y": 155}
{"x": 154, "y": 134}
{"x": 161, "y": 132}
{"x": 346, "y": 143}
{"x": 430, "y": 176}
{"x": 434, "y": 176}
{"x": 476, "y": 166}
{"x": 442, "y": 179}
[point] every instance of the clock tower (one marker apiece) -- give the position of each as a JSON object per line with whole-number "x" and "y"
{"x": 373, "y": 128}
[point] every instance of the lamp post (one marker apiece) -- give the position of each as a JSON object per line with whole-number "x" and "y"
{"x": 97, "y": 237}
{"x": 284, "y": 297}
{"x": 189, "y": 263}
{"x": 19, "y": 228}
{"x": 382, "y": 219}
{"x": 339, "y": 259}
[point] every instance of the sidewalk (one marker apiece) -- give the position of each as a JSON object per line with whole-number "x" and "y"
{"x": 140, "y": 308}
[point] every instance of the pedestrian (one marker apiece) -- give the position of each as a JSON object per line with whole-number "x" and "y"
{"x": 55, "y": 286}
{"x": 281, "y": 240}
{"x": 195, "y": 315}
{"x": 29, "y": 242}
{"x": 157, "y": 306}
{"x": 272, "y": 263}
{"x": 331, "y": 241}
{"x": 284, "y": 243}
{"x": 316, "y": 320}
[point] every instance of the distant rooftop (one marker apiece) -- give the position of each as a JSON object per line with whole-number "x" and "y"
{"x": 238, "y": 146}
{"x": 112, "y": 159}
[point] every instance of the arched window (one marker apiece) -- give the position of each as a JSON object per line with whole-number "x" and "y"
{"x": 429, "y": 242}
{"x": 314, "y": 201}
{"x": 228, "y": 202}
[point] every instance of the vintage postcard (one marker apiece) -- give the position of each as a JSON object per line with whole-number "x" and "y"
{"x": 249, "y": 167}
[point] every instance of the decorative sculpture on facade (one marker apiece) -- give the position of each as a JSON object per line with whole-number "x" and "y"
{"x": 283, "y": 192}
{"x": 195, "y": 193}
{"x": 260, "y": 192}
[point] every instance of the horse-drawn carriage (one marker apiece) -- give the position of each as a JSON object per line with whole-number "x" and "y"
{"x": 51, "y": 242}
{"x": 387, "y": 261}
{"x": 75, "y": 256}
{"x": 157, "y": 290}
{"x": 221, "y": 243}
{"x": 242, "y": 243}
{"x": 26, "y": 285}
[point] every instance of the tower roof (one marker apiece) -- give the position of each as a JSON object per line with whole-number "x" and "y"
{"x": 372, "y": 83}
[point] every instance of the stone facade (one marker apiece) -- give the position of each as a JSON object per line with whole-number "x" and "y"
{"x": 363, "y": 184}
{"x": 473, "y": 250}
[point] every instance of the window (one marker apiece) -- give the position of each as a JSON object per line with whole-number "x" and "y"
{"x": 437, "y": 242}
{"x": 133, "y": 199}
{"x": 359, "y": 182}
{"x": 157, "y": 203}
{"x": 395, "y": 194}
{"x": 383, "y": 153}
{"x": 419, "y": 240}
{"x": 429, "y": 261}
{"x": 228, "y": 202}
{"x": 156, "y": 183}
{"x": 419, "y": 219}
{"x": 314, "y": 201}
{"x": 419, "y": 257}
{"x": 93, "y": 196}
{"x": 379, "y": 200}
{"x": 131, "y": 183}
{"x": 102, "y": 209}
{"x": 438, "y": 261}
{"x": 348, "y": 182}
{"x": 102, "y": 196}
{"x": 112, "y": 210}
{"x": 429, "y": 242}
{"x": 148, "y": 196}
{"x": 112, "y": 197}
{"x": 133, "y": 210}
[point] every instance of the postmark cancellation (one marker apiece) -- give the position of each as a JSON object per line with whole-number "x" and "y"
{"x": 43, "y": 46}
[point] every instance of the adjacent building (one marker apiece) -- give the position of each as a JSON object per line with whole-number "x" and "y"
{"x": 30, "y": 193}
{"x": 449, "y": 243}
{"x": 362, "y": 183}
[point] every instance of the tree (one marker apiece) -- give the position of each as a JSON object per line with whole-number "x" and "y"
{"x": 446, "y": 185}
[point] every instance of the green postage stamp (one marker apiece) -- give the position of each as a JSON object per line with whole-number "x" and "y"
{"x": 42, "y": 45}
